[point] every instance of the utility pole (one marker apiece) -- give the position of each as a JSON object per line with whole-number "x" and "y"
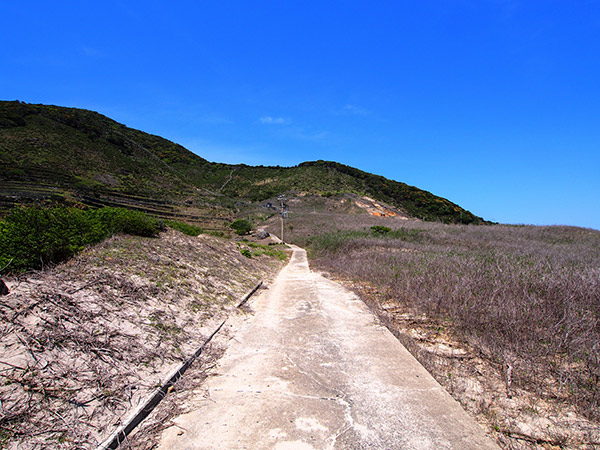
{"x": 283, "y": 209}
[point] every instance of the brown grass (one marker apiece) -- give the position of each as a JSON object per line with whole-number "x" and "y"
{"x": 526, "y": 299}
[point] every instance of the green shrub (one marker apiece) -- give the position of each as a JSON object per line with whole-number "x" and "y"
{"x": 120, "y": 220}
{"x": 407, "y": 234}
{"x": 185, "y": 228}
{"x": 241, "y": 226}
{"x": 246, "y": 253}
{"x": 379, "y": 229}
{"x": 33, "y": 237}
{"x": 220, "y": 234}
{"x": 268, "y": 250}
{"x": 330, "y": 242}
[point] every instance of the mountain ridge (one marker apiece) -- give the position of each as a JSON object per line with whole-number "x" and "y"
{"x": 58, "y": 152}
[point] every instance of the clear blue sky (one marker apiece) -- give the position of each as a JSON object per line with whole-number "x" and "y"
{"x": 493, "y": 104}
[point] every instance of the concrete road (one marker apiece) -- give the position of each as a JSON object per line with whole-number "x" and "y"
{"x": 312, "y": 369}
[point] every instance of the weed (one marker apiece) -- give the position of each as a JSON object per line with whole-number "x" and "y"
{"x": 220, "y": 234}
{"x": 5, "y": 435}
{"x": 162, "y": 325}
{"x": 380, "y": 229}
{"x": 268, "y": 250}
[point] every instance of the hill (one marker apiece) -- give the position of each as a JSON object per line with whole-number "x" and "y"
{"x": 77, "y": 155}
{"x": 74, "y": 154}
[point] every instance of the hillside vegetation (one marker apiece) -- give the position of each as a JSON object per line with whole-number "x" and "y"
{"x": 35, "y": 237}
{"x": 73, "y": 154}
{"x": 506, "y": 318}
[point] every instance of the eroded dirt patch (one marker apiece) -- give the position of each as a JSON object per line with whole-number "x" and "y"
{"x": 84, "y": 343}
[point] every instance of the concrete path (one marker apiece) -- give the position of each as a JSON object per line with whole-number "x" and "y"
{"x": 312, "y": 369}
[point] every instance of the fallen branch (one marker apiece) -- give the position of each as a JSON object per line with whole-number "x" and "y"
{"x": 145, "y": 409}
{"x": 249, "y": 294}
{"x": 87, "y": 285}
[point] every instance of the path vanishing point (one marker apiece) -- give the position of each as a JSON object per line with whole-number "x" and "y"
{"x": 313, "y": 369}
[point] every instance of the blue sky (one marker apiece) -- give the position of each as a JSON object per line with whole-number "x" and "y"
{"x": 493, "y": 104}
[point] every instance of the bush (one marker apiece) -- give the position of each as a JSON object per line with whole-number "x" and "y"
{"x": 185, "y": 228}
{"x": 405, "y": 234}
{"x": 241, "y": 226}
{"x": 120, "y": 220}
{"x": 33, "y": 237}
{"x": 379, "y": 229}
{"x": 246, "y": 253}
{"x": 219, "y": 234}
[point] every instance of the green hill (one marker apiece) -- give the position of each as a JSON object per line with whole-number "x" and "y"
{"x": 74, "y": 154}
{"x": 326, "y": 178}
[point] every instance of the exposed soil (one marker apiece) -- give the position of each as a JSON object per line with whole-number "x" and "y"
{"x": 82, "y": 344}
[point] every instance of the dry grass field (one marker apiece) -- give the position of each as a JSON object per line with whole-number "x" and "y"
{"x": 506, "y": 317}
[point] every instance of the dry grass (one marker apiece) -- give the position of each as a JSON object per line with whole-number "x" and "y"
{"x": 526, "y": 300}
{"x": 84, "y": 343}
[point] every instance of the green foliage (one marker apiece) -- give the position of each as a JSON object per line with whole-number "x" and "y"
{"x": 380, "y": 229}
{"x": 406, "y": 234}
{"x": 332, "y": 242}
{"x": 241, "y": 227}
{"x": 9, "y": 119}
{"x": 33, "y": 237}
{"x": 416, "y": 202}
{"x": 120, "y": 166}
{"x": 219, "y": 234}
{"x": 185, "y": 228}
{"x": 44, "y": 143}
{"x": 246, "y": 253}
{"x": 268, "y": 250}
{"x": 120, "y": 220}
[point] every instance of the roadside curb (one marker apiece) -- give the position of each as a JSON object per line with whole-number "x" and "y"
{"x": 120, "y": 435}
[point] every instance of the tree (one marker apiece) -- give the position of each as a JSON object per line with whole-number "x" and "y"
{"x": 241, "y": 226}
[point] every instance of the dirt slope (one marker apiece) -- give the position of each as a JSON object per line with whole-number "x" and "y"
{"x": 83, "y": 343}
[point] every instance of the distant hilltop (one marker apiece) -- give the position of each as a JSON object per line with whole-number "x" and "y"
{"x": 75, "y": 155}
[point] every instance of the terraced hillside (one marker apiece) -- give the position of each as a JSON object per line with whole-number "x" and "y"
{"x": 74, "y": 154}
